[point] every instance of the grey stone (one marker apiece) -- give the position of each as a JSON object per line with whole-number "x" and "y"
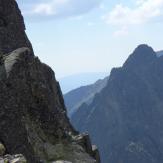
{"x": 13, "y": 159}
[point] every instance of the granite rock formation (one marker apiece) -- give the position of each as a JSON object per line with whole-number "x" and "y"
{"x": 33, "y": 118}
{"x": 125, "y": 119}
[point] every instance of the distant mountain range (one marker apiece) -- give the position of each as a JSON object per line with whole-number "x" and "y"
{"x": 85, "y": 94}
{"x": 74, "y": 81}
{"x": 125, "y": 119}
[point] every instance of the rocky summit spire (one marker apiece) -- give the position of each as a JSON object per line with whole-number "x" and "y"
{"x": 12, "y": 28}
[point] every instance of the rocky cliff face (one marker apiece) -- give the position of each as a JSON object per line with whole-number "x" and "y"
{"x": 33, "y": 118}
{"x": 125, "y": 119}
{"x": 12, "y": 28}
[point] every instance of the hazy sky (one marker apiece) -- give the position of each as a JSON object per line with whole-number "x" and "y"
{"x": 74, "y": 36}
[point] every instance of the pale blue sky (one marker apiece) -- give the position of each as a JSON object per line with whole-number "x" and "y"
{"x": 74, "y": 36}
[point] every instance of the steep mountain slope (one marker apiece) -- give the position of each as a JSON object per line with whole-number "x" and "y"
{"x": 33, "y": 118}
{"x": 75, "y": 81}
{"x": 125, "y": 119}
{"x": 12, "y": 28}
{"x": 75, "y": 98}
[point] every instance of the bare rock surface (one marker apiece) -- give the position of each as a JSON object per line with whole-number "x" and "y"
{"x": 33, "y": 119}
{"x": 12, "y": 28}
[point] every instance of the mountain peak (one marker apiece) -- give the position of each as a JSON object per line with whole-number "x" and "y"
{"x": 141, "y": 56}
{"x": 124, "y": 119}
{"x": 12, "y": 28}
{"x": 143, "y": 48}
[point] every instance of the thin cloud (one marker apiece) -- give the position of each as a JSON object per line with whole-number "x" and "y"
{"x": 122, "y": 32}
{"x": 143, "y": 12}
{"x": 57, "y": 8}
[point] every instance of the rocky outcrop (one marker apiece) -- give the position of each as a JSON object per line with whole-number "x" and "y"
{"x": 33, "y": 118}
{"x": 12, "y": 28}
{"x": 125, "y": 119}
{"x": 32, "y": 112}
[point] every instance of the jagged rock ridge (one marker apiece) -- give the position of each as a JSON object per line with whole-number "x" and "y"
{"x": 125, "y": 119}
{"x": 33, "y": 118}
